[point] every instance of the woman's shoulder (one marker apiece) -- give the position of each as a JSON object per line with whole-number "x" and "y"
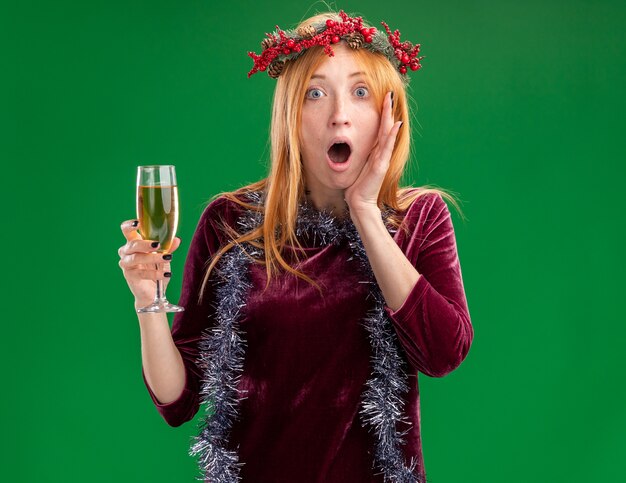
{"x": 221, "y": 206}
{"x": 422, "y": 211}
{"x": 228, "y": 207}
{"x": 417, "y": 201}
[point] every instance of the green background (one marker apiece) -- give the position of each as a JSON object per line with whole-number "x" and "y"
{"x": 519, "y": 109}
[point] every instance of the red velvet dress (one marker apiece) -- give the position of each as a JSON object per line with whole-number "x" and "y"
{"x": 308, "y": 358}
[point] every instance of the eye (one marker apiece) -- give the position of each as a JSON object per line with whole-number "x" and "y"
{"x": 314, "y": 93}
{"x": 361, "y": 92}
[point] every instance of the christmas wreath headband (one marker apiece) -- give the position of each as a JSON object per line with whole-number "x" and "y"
{"x": 283, "y": 45}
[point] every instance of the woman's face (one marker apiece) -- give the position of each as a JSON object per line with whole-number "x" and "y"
{"x": 339, "y": 107}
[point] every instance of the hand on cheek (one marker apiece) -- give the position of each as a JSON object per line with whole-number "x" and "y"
{"x": 364, "y": 191}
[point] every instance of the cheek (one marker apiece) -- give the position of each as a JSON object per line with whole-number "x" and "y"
{"x": 369, "y": 123}
{"x": 309, "y": 124}
{"x": 369, "y": 136}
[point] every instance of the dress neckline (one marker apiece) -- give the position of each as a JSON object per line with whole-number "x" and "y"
{"x": 315, "y": 227}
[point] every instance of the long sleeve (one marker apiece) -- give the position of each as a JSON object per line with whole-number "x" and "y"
{"x": 433, "y": 324}
{"x": 188, "y": 326}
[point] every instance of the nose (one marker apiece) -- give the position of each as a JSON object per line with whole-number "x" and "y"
{"x": 340, "y": 112}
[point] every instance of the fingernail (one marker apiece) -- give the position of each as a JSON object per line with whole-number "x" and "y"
{"x": 135, "y": 223}
{"x": 167, "y": 257}
{"x": 154, "y": 244}
{"x": 167, "y": 274}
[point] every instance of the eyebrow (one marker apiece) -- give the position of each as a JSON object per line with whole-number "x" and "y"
{"x": 354, "y": 74}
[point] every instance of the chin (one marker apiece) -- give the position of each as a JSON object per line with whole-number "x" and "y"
{"x": 341, "y": 186}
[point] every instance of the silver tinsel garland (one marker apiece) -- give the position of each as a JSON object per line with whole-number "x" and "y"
{"x": 222, "y": 352}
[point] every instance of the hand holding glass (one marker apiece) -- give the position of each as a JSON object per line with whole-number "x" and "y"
{"x": 157, "y": 211}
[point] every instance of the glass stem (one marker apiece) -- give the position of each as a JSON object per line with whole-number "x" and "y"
{"x": 160, "y": 293}
{"x": 160, "y": 296}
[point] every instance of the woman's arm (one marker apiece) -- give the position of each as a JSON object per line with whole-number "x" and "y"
{"x": 393, "y": 271}
{"x": 163, "y": 366}
{"x": 419, "y": 274}
{"x": 170, "y": 360}
{"x": 162, "y": 363}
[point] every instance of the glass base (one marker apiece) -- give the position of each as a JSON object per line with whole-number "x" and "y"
{"x": 160, "y": 306}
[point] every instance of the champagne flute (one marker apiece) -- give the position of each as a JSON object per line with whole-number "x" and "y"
{"x": 157, "y": 211}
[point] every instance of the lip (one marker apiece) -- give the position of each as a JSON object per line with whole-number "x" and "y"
{"x": 339, "y": 167}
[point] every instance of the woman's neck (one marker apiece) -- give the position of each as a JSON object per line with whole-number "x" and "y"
{"x": 331, "y": 202}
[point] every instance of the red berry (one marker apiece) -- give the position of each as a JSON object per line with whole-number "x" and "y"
{"x": 406, "y": 59}
{"x": 368, "y": 38}
{"x": 330, "y": 23}
{"x": 403, "y": 69}
{"x": 297, "y": 48}
{"x": 372, "y": 30}
{"x": 335, "y": 39}
{"x": 286, "y": 51}
{"x": 414, "y": 66}
{"x": 291, "y": 43}
{"x": 261, "y": 67}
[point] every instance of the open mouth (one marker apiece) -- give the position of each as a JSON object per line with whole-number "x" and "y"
{"x": 339, "y": 152}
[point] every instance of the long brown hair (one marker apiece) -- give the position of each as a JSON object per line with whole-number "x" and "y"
{"x": 284, "y": 186}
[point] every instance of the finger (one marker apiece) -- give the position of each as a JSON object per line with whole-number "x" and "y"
{"x": 386, "y": 120}
{"x": 132, "y": 260}
{"x": 141, "y": 246}
{"x": 388, "y": 144}
{"x": 175, "y": 244}
{"x": 129, "y": 229}
{"x": 146, "y": 273}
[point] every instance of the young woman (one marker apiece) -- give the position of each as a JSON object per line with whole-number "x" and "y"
{"x": 315, "y": 296}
